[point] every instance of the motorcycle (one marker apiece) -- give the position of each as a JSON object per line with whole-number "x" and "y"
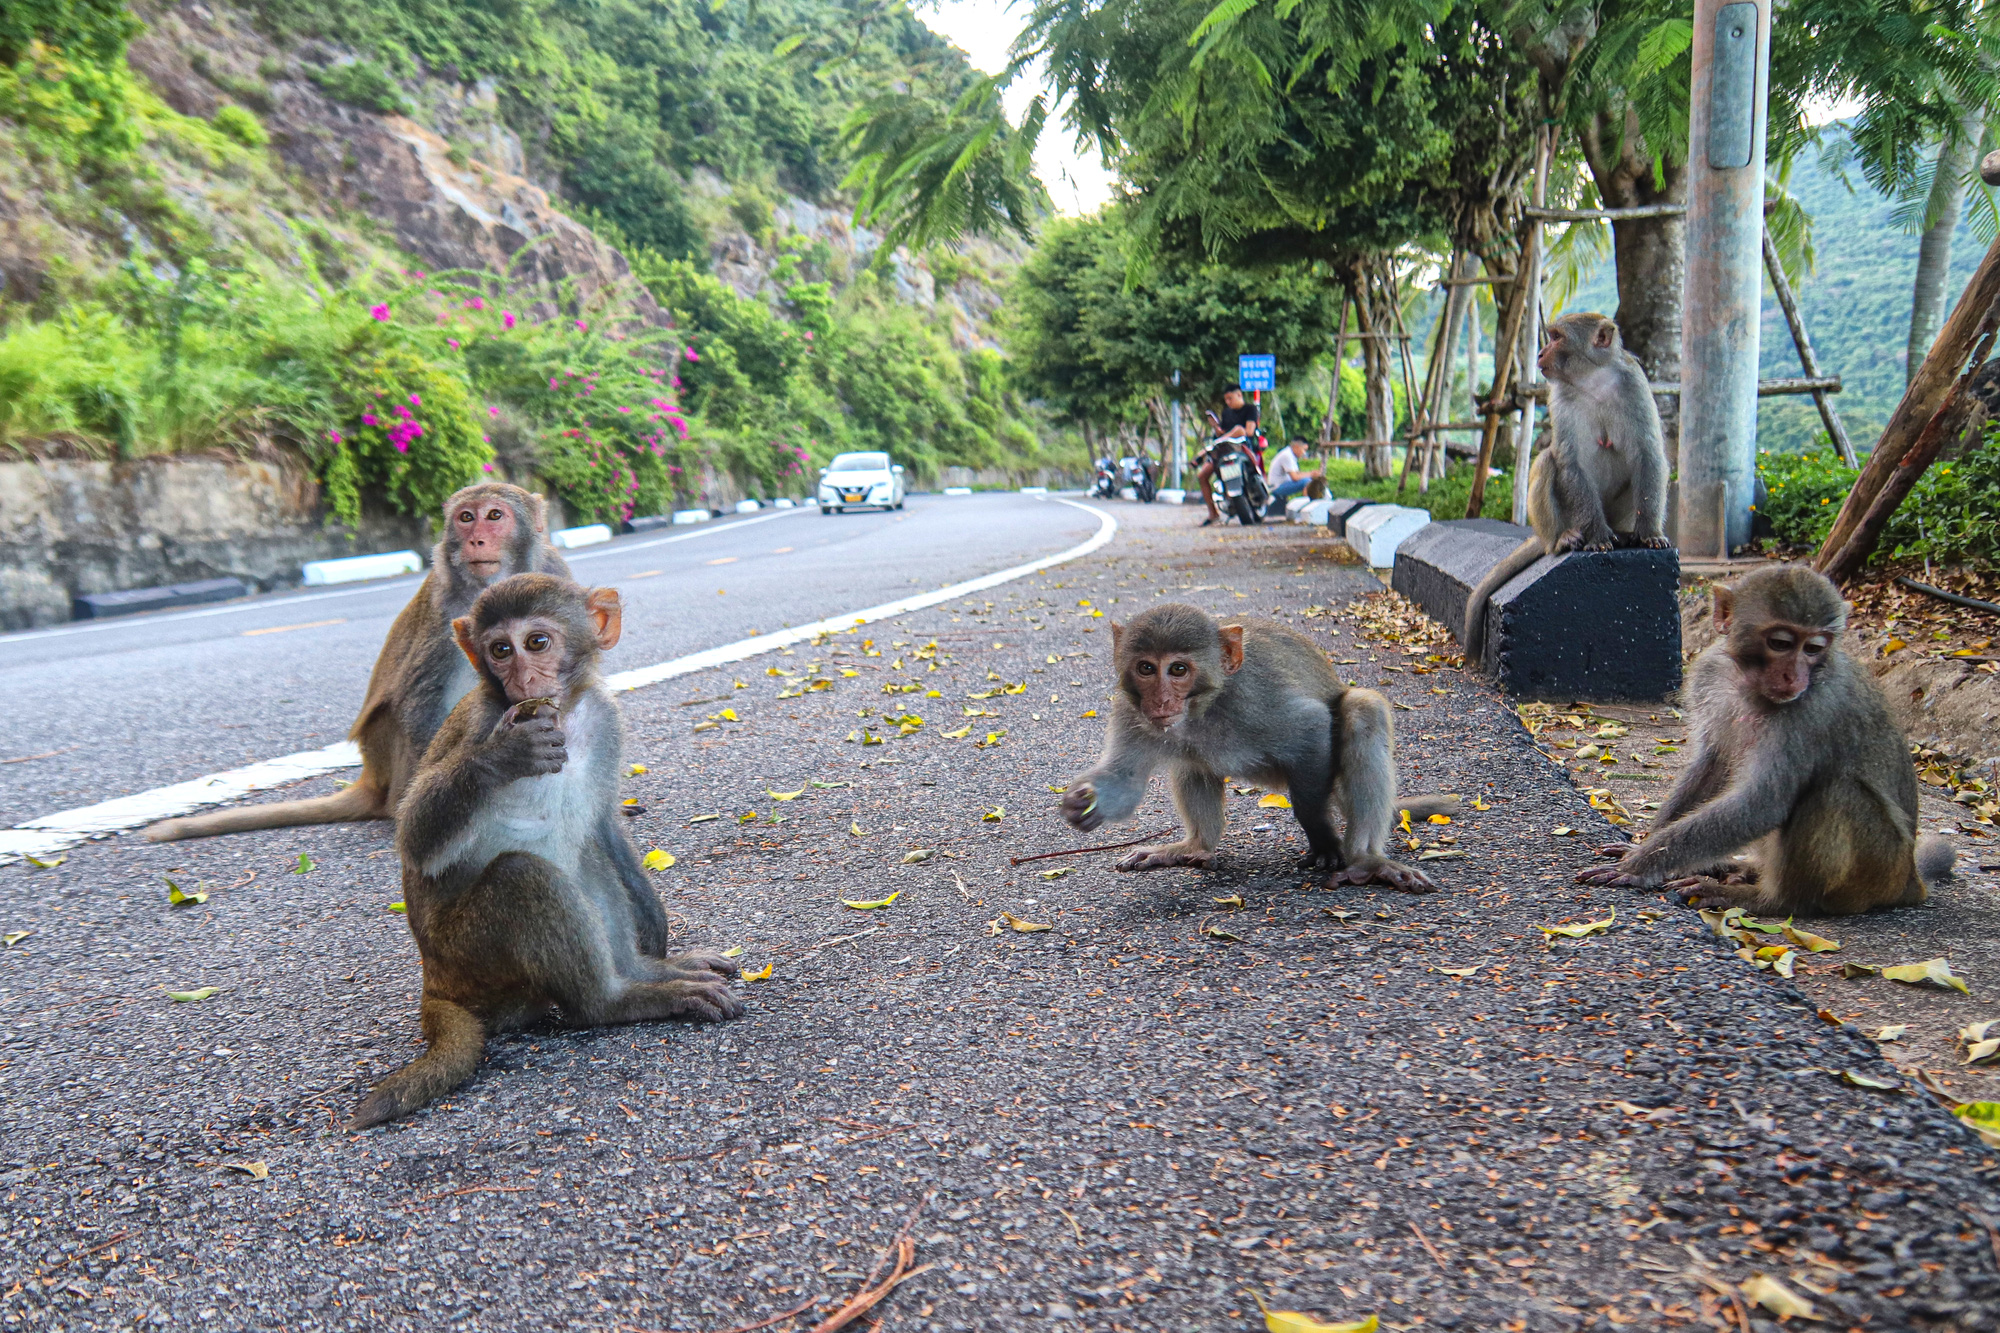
{"x": 1240, "y": 478}
{"x": 1138, "y": 474}
{"x": 1105, "y": 487}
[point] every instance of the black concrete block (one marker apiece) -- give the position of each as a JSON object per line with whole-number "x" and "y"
{"x": 1438, "y": 566}
{"x": 1586, "y": 625}
{"x": 646, "y": 523}
{"x": 1338, "y": 511}
{"x": 98, "y": 605}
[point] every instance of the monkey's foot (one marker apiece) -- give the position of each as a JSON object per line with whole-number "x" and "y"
{"x": 1614, "y": 850}
{"x": 1325, "y": 860}
{"x": 1702, "y": 891}
{"x": 1615, "y": 877}
{"x": 1654, "y": 543}
{"x": 1166, "y": 856}
{"x": 701, "y": 1001}
{"x": 699, "y": 966}
{"x": 1381, "y": 870}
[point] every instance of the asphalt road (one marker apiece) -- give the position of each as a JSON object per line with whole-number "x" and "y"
{"x": 1193, "y": 1089}
{"x": 131, "y": 704}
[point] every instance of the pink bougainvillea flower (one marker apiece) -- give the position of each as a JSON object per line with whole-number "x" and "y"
{"x": 552, "y": 381}
{"x": 690, "y": 354}
{"x": 476, "y": 303}
{"x": 368, "y": 419}
{"x": 492, "y": 411}
{"x": 581, "y": 326}
{"x": 334, "y": 436}
{"x": 486, "y": 467}
{"x": 415, "y": 401}
{"x": 625, "y": 410}
{"x": 507, "y": 318}
{"x": 380, "y": 312}
{"x": 453, "y": 343}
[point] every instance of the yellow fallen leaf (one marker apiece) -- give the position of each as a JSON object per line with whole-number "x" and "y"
{"x": 1440, "y": 819}
{"x": 254, "y": 1170}
{"x": 1478, "y": 804}
{"x": 917, "y": 857}
{"x": 998, "y": 812}
{"x": 784, "y": 795}
{"x": 873, "y": 903}
{"x": 706, "y": 726}
{"x": 958, "y": 735}
{"x": 1058, "y": 872}
{"x": 1810, "y": 942}
{"x": 1273, "y": 801}
{"x": 1291, "y": 1321}
{"x": 14, "y": 937}
{"x": 40, "y": 863}
{"x": 636, "y": 770}
{"x": 855, "y": 830}
{"x": 1894, "y": 645}
{"x": 176, "y": 897}
{"x": 1059, "y": 790}
{"x": 1778, "y": 1298}
{"x": 190, "y": 996}
{"x": 1091, "y": 713}
{"x": 399, "y": 906}
{"x": 849, "y": 671}
{"x": 658, "y": 860}
{"x": 1233, "y": 900}
{"x": 703, "y": 819}
{"x": 1563, "y": 831}
{"x": 1403, "y": 819}
{"x": 761, "y": 974}
{"x": 733, "y": 951}
{"x": 1582, "y": 929}
{"x": 1218, "y": 933}
{"x": 1983, "y": 1118}
{"x": 1016, "y": 923}
{"x": 1870, "y": 1081}
{"x": 1460, "y": 971}
{"x": 1935, "y": 973}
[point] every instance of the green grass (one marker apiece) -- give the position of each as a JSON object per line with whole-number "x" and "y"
{"x": 1446, "y": 498}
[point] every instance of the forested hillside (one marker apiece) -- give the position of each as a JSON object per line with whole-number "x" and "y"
{"x": 600, "y": 245}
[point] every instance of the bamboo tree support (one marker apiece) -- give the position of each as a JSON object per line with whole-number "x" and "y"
{"x": 1507, "y": 337}
{"x": 1808, "y": 359}
{"x": 1936, "y": 380}
{"x": 1339, "y": 359}
{"x": 1413, "y": 409}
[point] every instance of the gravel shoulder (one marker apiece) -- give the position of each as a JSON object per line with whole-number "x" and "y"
{"x": 1164, "y": 1106}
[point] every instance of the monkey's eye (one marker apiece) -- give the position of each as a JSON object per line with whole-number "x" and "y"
{"x": 501, "y": 651}
{"x": 493, "y": 516}
{"x": 466, "y": 516}
{"x": 1178, "y": 669}
{"x": 1817, "y": 645}
{"x": 1147, "y": 669}
{"x": 538, "y": 642}
{"x": 1780, "y": 642}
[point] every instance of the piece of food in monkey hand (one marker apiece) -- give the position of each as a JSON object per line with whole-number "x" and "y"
{"x": 528, "y": 708}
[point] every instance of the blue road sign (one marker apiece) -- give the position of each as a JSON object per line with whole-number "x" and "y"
{"x": 1257, "y": 371}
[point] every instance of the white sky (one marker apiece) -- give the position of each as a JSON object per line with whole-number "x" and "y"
{"x": 984, "y": 29}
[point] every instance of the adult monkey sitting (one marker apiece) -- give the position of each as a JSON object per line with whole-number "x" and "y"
{"x": 1795, "y": 757}
{"x": 491, "y": 531}
{"x": 1260, "y": 701}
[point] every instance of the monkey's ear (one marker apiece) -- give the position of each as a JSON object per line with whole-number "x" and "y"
{"x": 540, "y": 506}
{"x": 1725, "y": 603}
{"x": 461, "y": 629}
{"x": 1117, "y": 637}
{"x": 1606, "y": 331}
{"x": 609, "y": 613}
{"x": 1232, "y": 647}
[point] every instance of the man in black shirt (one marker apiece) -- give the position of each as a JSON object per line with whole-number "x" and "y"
{"x": 1237, "y": 422}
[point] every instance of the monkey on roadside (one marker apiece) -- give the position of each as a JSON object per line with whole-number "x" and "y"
{"x": 1795, "y": 758}
{"x": 1602, "y": 482}
{"x": 491, "y": 530}
{"x": 519, "y": 883}
{"x": 1261, "y": 701}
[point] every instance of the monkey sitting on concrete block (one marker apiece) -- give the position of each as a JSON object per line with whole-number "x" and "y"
{"x": 521, "y": 887}
{"x": 491, "y": 530}
{"x": 1795, "y": 758}
{"x": 1602, "y": 482}
{"x": 1260, "y": 701}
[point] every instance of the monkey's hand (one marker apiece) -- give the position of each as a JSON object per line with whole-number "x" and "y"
{"x": 1079, "y": 807}
{"x": 1614, "y": 850}
{"x": 1653, "y": 543}
{"x": 1166, "y": 856}
{"x": 1702, "y": 891}
{"x": 527, "y": 746}
{"x": 1381, "y": 870}
{"x": 1619, "y": 876}
{"x": 700, "y": 966}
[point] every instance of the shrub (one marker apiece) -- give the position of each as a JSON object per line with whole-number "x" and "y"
{"x": 362, "y": 83}
{"x": 241, "y": 126}
{"x": 1802, "y": 493}
{"x": 410, "y": 432}
{"x": 1951, "y": 514}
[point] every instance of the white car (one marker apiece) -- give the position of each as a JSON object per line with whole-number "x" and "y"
{"x": 853, "y": 480}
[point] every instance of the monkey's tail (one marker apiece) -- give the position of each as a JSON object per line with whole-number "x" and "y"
{"x": 1474, "y": 639}
{"x": 457, "y": 1040}
{"x": 1936, "y": 859}
{"x": 362, "y": 800}
{"x": 1426, "y": 806}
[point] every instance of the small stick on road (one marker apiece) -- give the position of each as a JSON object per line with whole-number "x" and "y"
{"x": 1079, "y": 851}
{"x": 798, "y": 1309}
{"x": 80, "y": 1254}
{"x": 1425, "y": 1241}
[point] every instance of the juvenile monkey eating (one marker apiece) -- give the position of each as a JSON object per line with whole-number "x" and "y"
{"x": 491, "y": 530}
{"x": 1602, "y": 482}
{"x": 1259, "y": 701}
{"x": 1795, "y": 759}
{"x": 520, "y": 885}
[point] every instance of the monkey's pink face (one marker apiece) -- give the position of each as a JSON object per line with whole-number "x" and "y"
{"x": 1163, "y": 683}
{"x": 527, "y": 657}
{"x": 483, "y": 531}
{"x": 1781, "y": 664}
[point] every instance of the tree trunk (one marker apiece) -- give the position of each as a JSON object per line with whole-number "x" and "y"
{"x": 1954, "y": 162}
{"x": 1650, "y": 253}
{"x": 1376, "y": 459}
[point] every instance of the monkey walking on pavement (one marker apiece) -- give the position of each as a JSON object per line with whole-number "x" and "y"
{"x": 491, "y": 530}
{"x": 1602, "y": 482}
{"x": 521, "y": 887}
{"x": 1796, "y": 758}
{"x": 1259, "y": 701}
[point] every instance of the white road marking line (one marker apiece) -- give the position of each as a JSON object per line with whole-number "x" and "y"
{"x": 52, "y": 833}
{"x": 380, "y": 585}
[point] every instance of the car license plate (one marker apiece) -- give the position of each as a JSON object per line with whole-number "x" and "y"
{"x": 1230, "y": 471}
{"x": 855, "y": 497}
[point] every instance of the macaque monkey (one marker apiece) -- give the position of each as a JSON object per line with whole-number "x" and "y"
{"x": 521, "y": 887}
{"x": 1795, "y": 759}
{"x": 1260, "y": 701}
{"x": 1602, "y": 482}
{"x": 491, "y": 530}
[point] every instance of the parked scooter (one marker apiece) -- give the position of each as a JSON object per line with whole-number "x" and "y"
{"x": 1105, "y": 487}
{"x": 1137, "y": 473}
{"x": 1239, "y": 476}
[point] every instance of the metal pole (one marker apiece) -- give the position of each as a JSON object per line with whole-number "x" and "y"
{"x": 1725, "y": 241}
{"x": 1177, "y": 431}
{"x": 1531, "y": 328}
